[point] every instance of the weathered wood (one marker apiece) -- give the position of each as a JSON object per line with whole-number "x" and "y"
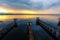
{"x": 14, "y": 25}
{"x": 46, "y": 27}
{"x": 31, "y": 37}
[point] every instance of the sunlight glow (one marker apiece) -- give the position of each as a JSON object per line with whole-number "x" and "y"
{"x": 2, "y": 17}
{"x": 28, "y": 12}
{"x": 3, "y": 10}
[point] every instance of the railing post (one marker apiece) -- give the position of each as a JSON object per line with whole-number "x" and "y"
{"x": 37, "y": 21}
{"x": 15, "y": 22}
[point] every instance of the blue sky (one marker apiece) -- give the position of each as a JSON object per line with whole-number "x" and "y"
{"x": 31, "y": 4}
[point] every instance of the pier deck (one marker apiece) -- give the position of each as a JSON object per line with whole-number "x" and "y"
{"x": 51, "y": 30}
{"x": 21, "y": 32}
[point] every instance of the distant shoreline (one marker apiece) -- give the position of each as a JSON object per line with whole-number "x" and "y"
{"x": 27, "y": 14}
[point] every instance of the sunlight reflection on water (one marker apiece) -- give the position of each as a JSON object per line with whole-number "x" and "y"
{"x": 8, "y": 17}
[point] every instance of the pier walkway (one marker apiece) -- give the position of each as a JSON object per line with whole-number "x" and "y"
{"x": 24, "y": 30}
{"x": 51, "y": 30}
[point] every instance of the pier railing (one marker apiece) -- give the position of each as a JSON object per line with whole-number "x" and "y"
{"x": 12, "y": 25}
{"x": 51, "y": 30}
{"x": 8, "y": 28}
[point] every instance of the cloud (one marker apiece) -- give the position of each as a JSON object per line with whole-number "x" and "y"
{"x": 30, "y": 4}
{"x": 45, "y": 4}
{"x": 17, "y": 4}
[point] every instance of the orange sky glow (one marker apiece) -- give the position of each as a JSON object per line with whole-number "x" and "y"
{"x": 10, "y": 10}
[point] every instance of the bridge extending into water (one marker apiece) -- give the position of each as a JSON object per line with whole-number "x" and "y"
{"x": 26, "y": 31}
{"x": 51, "y": 30}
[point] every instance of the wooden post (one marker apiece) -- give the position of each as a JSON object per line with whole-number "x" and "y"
{"x": 37, "y": 21}
{"x": 58, "y": 22}
{"x": 15, "y": 23}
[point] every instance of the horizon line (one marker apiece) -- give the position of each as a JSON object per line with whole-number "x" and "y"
{"x": 27, "y": 14}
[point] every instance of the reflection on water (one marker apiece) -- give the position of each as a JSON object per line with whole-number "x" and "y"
{"x": 8, "y": 17}
{"x": 36, "y": 29}
{"x": 51, "y": 19}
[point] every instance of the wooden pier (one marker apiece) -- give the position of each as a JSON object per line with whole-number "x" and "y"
{"x": 8, "y": 30}
{"x": 51, "y": 30}
{"x": 29, "y": 31}
{"x": 31, "y": 37}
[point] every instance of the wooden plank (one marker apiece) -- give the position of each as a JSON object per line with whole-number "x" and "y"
{"x": 31, "y": 37}
{"x": 44, "y": 25}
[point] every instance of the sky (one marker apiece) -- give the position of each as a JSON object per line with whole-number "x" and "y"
{"x": 30, "y": 6}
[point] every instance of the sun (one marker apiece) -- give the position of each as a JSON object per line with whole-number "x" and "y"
{"x": 3, "y": 11}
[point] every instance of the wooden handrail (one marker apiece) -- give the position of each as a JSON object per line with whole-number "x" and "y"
{"x": 44, "y": 26}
